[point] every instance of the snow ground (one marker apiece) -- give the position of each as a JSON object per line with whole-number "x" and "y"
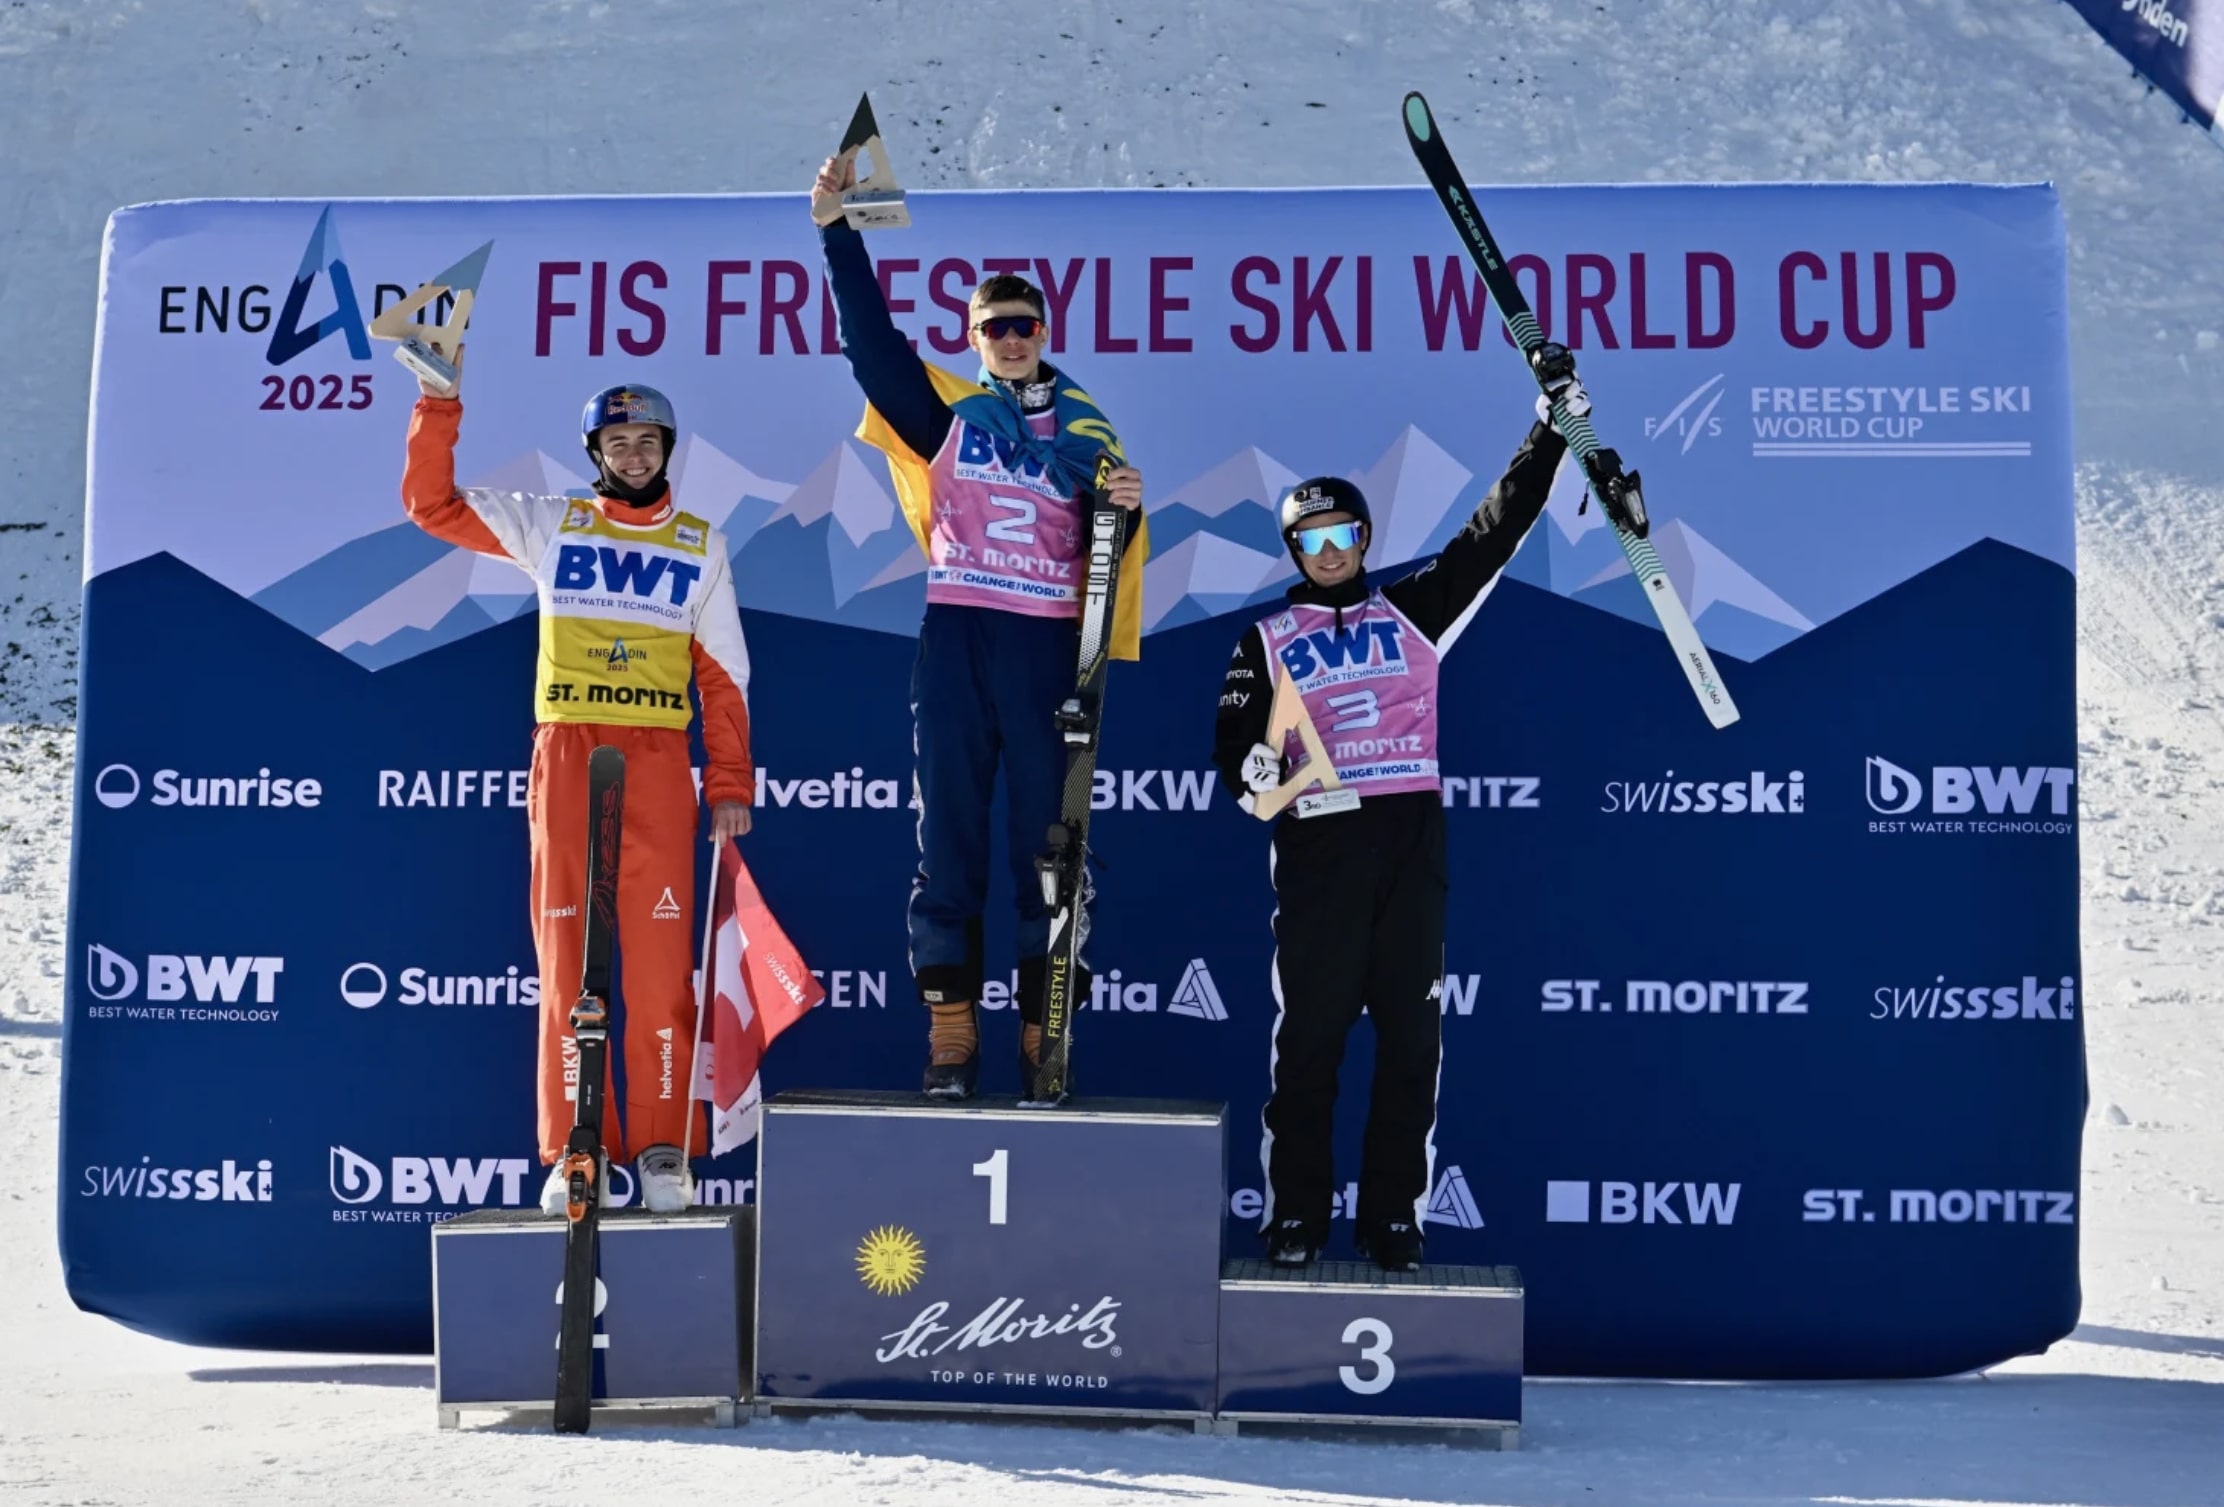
{"x": 107, "y": 102}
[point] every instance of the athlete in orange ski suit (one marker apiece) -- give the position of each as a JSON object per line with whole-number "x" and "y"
{"x": 634, "y": 599}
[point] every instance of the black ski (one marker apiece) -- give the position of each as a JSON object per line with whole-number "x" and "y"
{"x": 584, "y": 1168}
{"x": 1618, "y": 492}
{"x": 1063, "y": 866}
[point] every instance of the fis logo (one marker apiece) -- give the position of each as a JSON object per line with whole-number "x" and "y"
{"x": 628, "y": 572}
{"x": 1452, "y": 1203}
{"x": 1695, "y": 426}
{"x": 1752, "y": 795}
{"x": 1962, "y": 790}
{"x": 1196, "y": 995}
{"x": 1646, "y": 1203}
{"x": 171, "y": 977}
{"x": 229, "y": 1182}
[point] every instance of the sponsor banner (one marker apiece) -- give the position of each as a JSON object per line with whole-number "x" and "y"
{"x": 2177, "y": 44}
{"x": 305, "y": 922}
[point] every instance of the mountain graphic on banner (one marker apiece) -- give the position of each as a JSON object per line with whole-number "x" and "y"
{"x": 837, "y": 549}
{"x": 1709, "y": 581}
{"x": 722, "y": 491}
{"x": 398, "y": 591}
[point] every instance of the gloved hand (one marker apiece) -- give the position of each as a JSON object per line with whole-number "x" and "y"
{"x": 1262, "y": 769}
{"x": 1554, "y": 365}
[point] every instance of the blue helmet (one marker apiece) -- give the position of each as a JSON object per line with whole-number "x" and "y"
{"x": 628, "y": 404}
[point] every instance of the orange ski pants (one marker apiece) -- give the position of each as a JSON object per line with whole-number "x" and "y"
{"x": 656, "y": 925}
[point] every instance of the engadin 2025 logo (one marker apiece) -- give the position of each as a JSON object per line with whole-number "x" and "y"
{"x": 1971, "y": 800}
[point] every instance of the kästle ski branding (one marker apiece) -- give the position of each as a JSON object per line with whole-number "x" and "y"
{"x": 1618, "y": 492}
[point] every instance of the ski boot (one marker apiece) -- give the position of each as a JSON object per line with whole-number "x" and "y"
{"x": 1294, "y": 1242}
{"x": 1394, "y": 1247}
{"x": 667, "y": 1186}
{"x": 953, "y": 1051}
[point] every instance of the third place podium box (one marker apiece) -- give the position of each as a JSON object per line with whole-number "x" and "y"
{"x": 1341, "y": 1342}
{"x": 984, "y": 1256}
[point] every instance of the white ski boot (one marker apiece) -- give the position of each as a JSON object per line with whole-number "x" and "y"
{"x": 667, "y": 1186}
{"x": 556, "y": 1195}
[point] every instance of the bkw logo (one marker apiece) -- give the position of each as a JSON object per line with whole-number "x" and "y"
{"x": 1646, "y": 1203}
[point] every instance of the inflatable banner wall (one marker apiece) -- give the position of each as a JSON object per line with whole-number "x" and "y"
{"x": 2178, "y": 45}
{"x": 1763, "y": 1054}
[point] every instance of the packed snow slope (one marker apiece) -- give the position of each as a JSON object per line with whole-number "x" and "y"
{"x": 110, "y": 102}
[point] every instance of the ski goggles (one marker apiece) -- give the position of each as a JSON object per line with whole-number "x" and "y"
{"x": 1328, "y": 536}
{"x": 1007, "y": 326}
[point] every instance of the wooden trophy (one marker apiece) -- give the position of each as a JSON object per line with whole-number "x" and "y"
{"x": 1289, "y": 715}
{"x": 429, "y": 350}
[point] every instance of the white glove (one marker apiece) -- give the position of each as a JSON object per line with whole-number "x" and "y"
{"x": 1572, "y": 394}
{"x": 1262, "y": 769}
{"x": 1555, "y": 369}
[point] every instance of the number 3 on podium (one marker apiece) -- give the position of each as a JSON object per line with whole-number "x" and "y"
{"x": 995, "y": 1169}
{"x": 1373, "y": 1338}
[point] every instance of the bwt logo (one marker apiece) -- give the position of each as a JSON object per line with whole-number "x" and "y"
{"x": 1750, "y": 795}
{"x": 117, "y": 786}
{"x": 172, "y": 976}
{"x": 415, "y": 1180}
{"x": 630, "y": 572}
{"x": 1642, "y": 1203}
{"x": 1373, "y": 643}
{"x": 1958, "y": 790}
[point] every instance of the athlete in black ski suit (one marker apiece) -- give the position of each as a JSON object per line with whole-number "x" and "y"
{"x": 1360, "y": 893}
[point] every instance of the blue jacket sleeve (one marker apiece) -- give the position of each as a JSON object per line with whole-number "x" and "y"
{"x": 894, "y": 378}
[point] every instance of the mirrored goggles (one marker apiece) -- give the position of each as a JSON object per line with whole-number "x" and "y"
{"x": 1006, "y": 326}
{"x": 1328, "y": 536}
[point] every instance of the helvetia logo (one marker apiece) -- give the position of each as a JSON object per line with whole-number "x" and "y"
{"x": 228, "y": 1182}
{"x": 890, "y": 1260}
{"x": 1196, "y": 995}
{"x": 1642, "y": 1203}
{"x": 1452, "y": 1202}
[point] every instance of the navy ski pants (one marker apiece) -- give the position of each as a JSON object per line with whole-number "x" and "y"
{"x": 984, "y": 690}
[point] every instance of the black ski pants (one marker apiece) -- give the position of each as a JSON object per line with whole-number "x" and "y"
{"x": 1358, "y": 926}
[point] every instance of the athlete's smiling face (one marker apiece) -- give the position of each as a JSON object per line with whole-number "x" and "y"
{"x": 1005, "y": 351}
{"x": 1334, "y": 564}
{"x": 632, "y": 451}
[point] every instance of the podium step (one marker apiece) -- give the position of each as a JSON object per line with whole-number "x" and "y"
{"x": 1346, "y": 1344}
{"x": 979, "y": 1256}
{"x": 672, "y": 1322}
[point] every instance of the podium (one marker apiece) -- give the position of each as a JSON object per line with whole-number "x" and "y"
{"x": 671, "y": 1311}
{"x": 1342, "y": 1342}
{"x": 980, "y": 1256}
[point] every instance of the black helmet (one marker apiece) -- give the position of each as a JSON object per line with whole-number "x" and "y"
{"x": 1324, "y": 494}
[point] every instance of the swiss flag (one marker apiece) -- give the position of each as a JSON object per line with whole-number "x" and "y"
{"x": 758, "y": 987}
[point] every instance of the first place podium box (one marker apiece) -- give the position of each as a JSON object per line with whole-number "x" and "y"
{"x": 983, "y": 1257}
{"x": 1342, "y": 1343}
{"x": 671, "y": 1311}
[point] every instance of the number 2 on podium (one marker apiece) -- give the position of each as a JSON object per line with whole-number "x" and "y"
{"x": 999, "y": 1187}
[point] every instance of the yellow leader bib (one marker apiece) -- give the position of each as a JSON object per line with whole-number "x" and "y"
{"x": 618, "y": 609}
